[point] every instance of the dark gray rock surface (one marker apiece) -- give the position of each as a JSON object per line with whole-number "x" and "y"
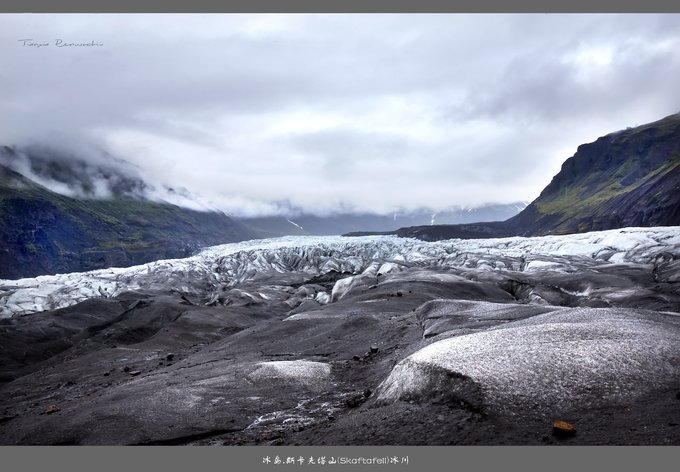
{"x": 463, "y": 356}
{"x": 353, "y": 341}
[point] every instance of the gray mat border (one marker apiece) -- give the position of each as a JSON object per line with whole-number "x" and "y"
{"x": 340, "y": 6}
{"x": 195, "y": 459}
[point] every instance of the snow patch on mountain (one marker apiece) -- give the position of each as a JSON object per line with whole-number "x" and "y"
{"x": 295, "y": 224}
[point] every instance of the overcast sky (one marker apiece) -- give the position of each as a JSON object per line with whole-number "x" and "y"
{"x": 329, "y": 112}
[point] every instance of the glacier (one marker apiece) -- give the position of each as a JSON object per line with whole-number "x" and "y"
{"x": 207, "y": 273}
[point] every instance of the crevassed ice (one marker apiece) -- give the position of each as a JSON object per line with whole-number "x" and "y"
{"x": 230, "y": 264}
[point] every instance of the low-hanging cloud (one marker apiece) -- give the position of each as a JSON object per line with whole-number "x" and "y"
{"x": 263, "y": 114}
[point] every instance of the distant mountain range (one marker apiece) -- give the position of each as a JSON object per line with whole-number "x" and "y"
{"x": 626, "y": 178}
{"x": 349, "y": 222}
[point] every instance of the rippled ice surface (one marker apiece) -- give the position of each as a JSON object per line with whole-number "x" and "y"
{"x": 231, "y": 264}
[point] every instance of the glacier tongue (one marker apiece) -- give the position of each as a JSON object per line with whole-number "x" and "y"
{"x": 364, "y": 257}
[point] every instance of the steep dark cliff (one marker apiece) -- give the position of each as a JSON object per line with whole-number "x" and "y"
{"x": 627, "y": 178}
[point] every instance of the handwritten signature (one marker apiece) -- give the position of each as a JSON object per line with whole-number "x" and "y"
{"x": 59, "y": 43}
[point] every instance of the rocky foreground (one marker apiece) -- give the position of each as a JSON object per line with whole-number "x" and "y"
{"x": 373, "y": 340}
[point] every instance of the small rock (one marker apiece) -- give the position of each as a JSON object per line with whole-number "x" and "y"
{"x": 331, "y": 418}
{"x": 170, "y": 356}
{"x": 135, "y": 373}
{"x": 367, "y": 392}
{"x": 52, "y": 409}
{"x": 399, "y": 294}
{"x": 126, "y": 369}
{"x": 356, "y": 358}
{"x": 355, "y": 401}
{"x": 562, "y": 428}
{"x": 106, "y": 374}
{"x": 374, "y": 348}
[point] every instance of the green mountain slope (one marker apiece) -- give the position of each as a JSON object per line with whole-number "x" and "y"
{"x": 623, "y": 179}
{"x": 628, "y": 178}
{"x": 43, "y": 232}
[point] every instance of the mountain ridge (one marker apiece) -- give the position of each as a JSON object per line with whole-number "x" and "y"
{"x": 43, "y": 232}
{"x": 626, "y": 178}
